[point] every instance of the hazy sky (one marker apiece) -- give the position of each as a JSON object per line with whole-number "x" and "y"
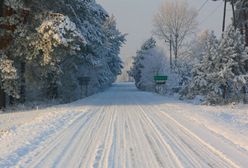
{"x": 135, "y": 18}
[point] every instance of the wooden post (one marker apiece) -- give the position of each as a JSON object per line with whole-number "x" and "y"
{"x": 170, "y": 41}
{"x": 246, "y": 26}
{"x": 224, "y": 17}
{"x": 176, "y": 48}
{"x": 234, "y": 15}
{"x": 2, "y": 99}
{"x": 1, "y": 7}
{"x": 23, "y": 81}
{"x": 171, "y": 52}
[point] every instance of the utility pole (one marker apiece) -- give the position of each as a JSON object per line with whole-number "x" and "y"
{"x": 170, "y": 51}
{"x": 234, "y": 15}
{"x": 224, "y": 17}
{"x": 176, "y": 47}
{"x": 246, "y": 26}
{"x": 170, "y": 41}
{"x": 223, "y": 29}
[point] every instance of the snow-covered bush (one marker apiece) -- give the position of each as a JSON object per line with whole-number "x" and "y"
{"x": 57, "y": 30}
{"x": 14, "y": 4}
{"x": 137, "y": 67}
{"x": 199, "y": 83}
{"x": 221, "y": 75}
{"x": 149, "y": 62}
{"x": 8, "y": 76}
{"x": 154, "y": 63}
{"x": 240, "y": 12}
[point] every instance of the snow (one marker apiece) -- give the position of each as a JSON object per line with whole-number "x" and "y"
{"x": 124, "y": 127}
{"x": 221, "y": 75}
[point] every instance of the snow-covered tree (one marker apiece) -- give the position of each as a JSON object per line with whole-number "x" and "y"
{"x": 200, "y": 82}
{"x": 241, "y": 17}
{"x": 154, "y": 63}
{"x": 233, "y": 55}
{"x": 137, "y": 67}
{"x": 195, "y": 48}
{"x": 8, "y": 76}
{"x": 149, "y": 62}
{"x": 14, "y": 4}
{"x": 221, "y": 75}
{"x": 59, "y": 42}
{"x": 113, "y": 44}
{"x": 57, "y": 30}
{"x": 124, "y": 77}
{"x": 174, "y": 22}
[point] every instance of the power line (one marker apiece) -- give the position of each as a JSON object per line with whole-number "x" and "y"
{"x": 211, "y": 13}
{"x": 202, "y": 5}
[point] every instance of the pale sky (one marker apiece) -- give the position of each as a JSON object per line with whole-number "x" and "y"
{"x": 135, "y": 18}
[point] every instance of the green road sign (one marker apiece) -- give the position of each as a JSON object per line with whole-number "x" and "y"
{"x": 160, "y": 79}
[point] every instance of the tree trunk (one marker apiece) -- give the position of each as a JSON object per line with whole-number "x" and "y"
{"x": 176, "y": 48}
{"x": 246, "y": 28}
{"x": 244, "y": 95}
{"x": 23, "y": 82}
{"x": 52, "y": 88}
{"x": 2, "y": 94}
{"x": 2, "y": 99}
{"x": 224, "y": 92}
{"x": 242, "y": 23}
{"x": 1, "y": 7}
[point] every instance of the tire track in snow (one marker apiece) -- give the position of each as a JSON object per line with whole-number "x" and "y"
{"x": 50, "y": 149}
{"x": 79, "y": 149}
{"x": 33, "y": 143}
{"x": 92, "y": 139}
{"x": 190, "y": 133}
{"x": 108, "y": 139}
{"x": 178, "y": 141}
{"x": 142, "y": 149}
{"x": 123, "y": 129}
{"x": 182, "y": 152}
{"x": 129, "y": 149}
{"x": 161, "y": 140}
{"x": 101, "y": 143}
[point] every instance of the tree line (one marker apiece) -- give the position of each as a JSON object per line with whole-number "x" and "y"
{"x": 204, "y": 65}
{"x": 46, "y": 46}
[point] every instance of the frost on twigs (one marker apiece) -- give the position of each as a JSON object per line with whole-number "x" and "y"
{"x": 8, "y": 76}
{"x": 58, "y": 30}
{"x": 148, "y": 62}
{"x": 221, "y": 75}
{"x": 51, "y": 50}
{"x": 14, "y": 4}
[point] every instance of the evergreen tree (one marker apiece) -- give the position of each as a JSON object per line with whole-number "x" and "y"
{"x": 221, "y": 74}
{"x": 200, "y": 81}
{"x": 58, "y": 42}
{"x": 137, "y": 67}
{"x": 115, "y": 39}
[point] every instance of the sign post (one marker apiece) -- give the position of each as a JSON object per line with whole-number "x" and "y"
{"x": 84, "y": 81}
{"x": 160, "y": 82}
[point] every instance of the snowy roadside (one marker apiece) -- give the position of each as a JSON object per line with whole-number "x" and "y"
{"x": 230, "y": 121}
{"x": 23, "y": 134}
{"x": 20, "y": 114}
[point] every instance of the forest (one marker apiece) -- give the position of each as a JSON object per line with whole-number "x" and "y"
{"x": 47, "y": 47}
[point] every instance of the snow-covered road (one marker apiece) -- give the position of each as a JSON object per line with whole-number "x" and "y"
{"x": 121, "y": 127}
